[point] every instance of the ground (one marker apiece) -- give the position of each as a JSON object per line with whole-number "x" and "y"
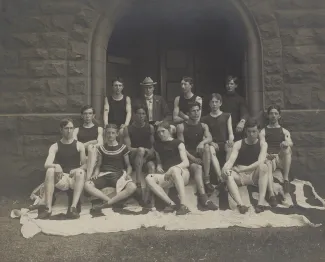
{"x": 233, "y": 244}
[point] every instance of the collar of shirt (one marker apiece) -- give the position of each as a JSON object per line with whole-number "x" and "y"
{"x": 149, "y": 98}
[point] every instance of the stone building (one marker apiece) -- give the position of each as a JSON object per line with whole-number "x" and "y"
{"x": 57, "y": 55}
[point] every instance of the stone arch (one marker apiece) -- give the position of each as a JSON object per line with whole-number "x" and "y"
{"x": 93, "y": 27}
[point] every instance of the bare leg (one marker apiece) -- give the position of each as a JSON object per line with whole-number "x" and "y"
{"x": 270, "y": 178}
{"x": 92, "y": 190}
{"x": 197, "y": 171}
{"x": 179, "y": 184}
{"x": 138, "y": 161}
{"x": 49, "y": 188}
{"x": 206, "y": 157}
{"x": 228, "y": 151}
{"x": 147, "y": 196}
{"x": 158, "y": 190}
{"x": 215, "y": 161}
{"x": 125, "y": 193}
{"x": 78, "y": 186}
{"x": 232, "y": 183}
{"x": 286, "y": 160}
{"x": 263, "y": 179}
{"x": 91, "y": 161}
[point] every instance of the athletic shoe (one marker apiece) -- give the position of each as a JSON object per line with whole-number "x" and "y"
{"x": 273, "y": 201}
{"x": 209, "y": 188}
{"x": 259, "y": 209}
{"x": 242, "y": 209}
{"x": 211, "y": 206}
{"x": 170, "y": 209}
{"x": 286, "y": 187}
{"x": 73, "y": 213}
{"x": 43, "y": 213}
{"x": 207, "y": 203}
{"x": 183, "y": 210}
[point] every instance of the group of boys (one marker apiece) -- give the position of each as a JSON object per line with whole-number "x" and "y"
{"x": 139, "y": 137}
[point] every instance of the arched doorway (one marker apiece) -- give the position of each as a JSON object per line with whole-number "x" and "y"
{"x": 166, "y": 40}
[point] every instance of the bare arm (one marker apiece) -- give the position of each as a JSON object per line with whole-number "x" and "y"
{"x": 106, "y": 111}
{"x": 83, "y": 158}
{"x": 75, "y": 133}
{"x": 51, "y": 157}
{"x": 207, "y": 135}
{"x": 180, "y": 136}
{"x": 127, "y": 140}
{"x": 176, "y": 113}
{"x": 287, "y": 137}
{"x": 199, "y": 100}
{"x": 230, "y": 131}
{"x": 262, "y": 136}
{"x": 97, "y": 167}
{"x": 152, "y": 138}
{"x": 182, "y": 152}
{"x": 261, "y": 159}
{"x": 128, "y": 165}
{"x": 100, "y": 140}
{"x": 233, "y": 156}
{"x": 128, "y": 111}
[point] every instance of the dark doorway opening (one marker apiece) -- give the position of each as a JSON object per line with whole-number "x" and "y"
{"x": 170, "y": 39}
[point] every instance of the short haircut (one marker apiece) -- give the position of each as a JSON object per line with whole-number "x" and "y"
{"x": 65, "y": 121}
{"x": 216, "y": 96}
{"x": 110, "y": 125}
{"x": 274, "y": 107}
{"x": 188, "y": 80}
{"x": 251, "y": 122}
{"x": 164, "y": 124}
{"x": 86, "y": 107}
{"x": 193, "y": 104}
{"x": 118, "y": 79}
{"x": 232, "y": 78}
{"x": 138, "y": 106}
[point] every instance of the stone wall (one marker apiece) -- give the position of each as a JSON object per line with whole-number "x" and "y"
{"x": 45, "y": 75}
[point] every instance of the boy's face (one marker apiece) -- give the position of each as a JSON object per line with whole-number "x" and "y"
{"x": 163, "y": 133}
{"x": 141, "y": 115}
{"x": 186, "y": 86}
{"x": 88, "y": 115}
{"x": 117, "y": 87}
{"x": 194, "y": 113}
{"x": 231, "y": 86}
{"x": 215, "y": 104}
{"x": 252, "y": 132}
{"x": 111, "y": 134}
{"x": 67, "y": 131}
{"x": 274, "y": 116}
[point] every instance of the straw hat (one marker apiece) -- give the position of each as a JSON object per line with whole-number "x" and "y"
{"x": 148, "y": 82}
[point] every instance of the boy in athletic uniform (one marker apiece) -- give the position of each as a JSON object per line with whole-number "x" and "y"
{"x": 113, "y": 157}
{"x": 234, "y": 104}
{"x": 172, "y": 164}
{"x": 181, "y": 102}
{"x": 117, "y": 107}
{"x": 220, "y": 126}
{"x": 246, "y": 166}
{"x": 65, "y": 169}
{"x": 279, "y": 146}
{"x": 139, "y": 138}
{"x": 196, "y": 137}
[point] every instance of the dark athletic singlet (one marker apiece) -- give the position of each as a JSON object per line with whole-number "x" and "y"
{"x": 193, "y": 135}
{"x": 87, "y": 134}
{"x": 169, "y": 153}
{"x": 184, "y": 103}
{"x": 140, "y": 136}
{"x": 274, "y": 137}
{"x": 218, "y": 126}
{"x": 67, "y": 156}
{"x": 248, "y": 154}
{"x": 117, "y": 111}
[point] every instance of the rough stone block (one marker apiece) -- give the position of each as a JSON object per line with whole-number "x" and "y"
{"x": 77, "y": 51}
{"x": 77, "y": 86}
{"x": 56, "y": 40}
{"x": 272, "y": 65}
{"x": 8, "y": 125}
{"x": 299, "y": 4}
{"x": 80, "y": 33}
{"x": 37, "y": 146}
{"x": 13, "y": 102}
{"x": 60, "y": 7}
{"x": 63, "y": 22}
{"x": 297, "y": 97}
{"x": 308, "y": 139}
{"x": 303, "y": 73}
{"x": 303, "y": 54}
{"x": 301, "y": 120}
{"x": 25, "y": 23}
{"x": 48, "y": 68}
{"x": 87, "y": 17}
{"x": 269, "y": 30}
{"x": 301, "y": 18}
{"x": 274, "y": 98}
{"x": 272, "y": 47}
{"x": 75, "y": 102}
{"x": 252, "y": 2}
{"x": 273, "y": 82}
{"x": 302, "y": 36}
{"x": 36, "y": 53}
{"x": 263, "y": 12}
{"x": 57, "y": 53}
{"x": 318, "y": 99}
{"x": 11, "y": 144}
{"x": 43, "y": 125}
{"x": 78, "y": 68}
{"x": 9, "y": 59}
{"x": 25, "y": 40}
{"x": 49, "y": 104}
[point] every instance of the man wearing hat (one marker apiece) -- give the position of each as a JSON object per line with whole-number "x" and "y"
{"x": 156, "y": 105}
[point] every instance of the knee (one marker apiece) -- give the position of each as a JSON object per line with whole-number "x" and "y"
{"x": 175, "y": 173}
{"x": 80, "y": 173}
{"x": 50, "y": 172}
{"x": 196, "y": 168}
{"x": 263, "y": 169}
{"x": 149, "y": 179}
{"x": 141, "y": 151}
{"x": 206, "y": 148}
{"x": 286, "y": 151}
{"x": 131, "y": 187}
{"x": 212, "y": 150}
{"x": 88, "y": 185}
{"x": 151, "y": 167}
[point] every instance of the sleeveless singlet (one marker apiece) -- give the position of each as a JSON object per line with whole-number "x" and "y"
{"x": 218, "y": 126}
{"x": 117, "y": 111}
{"x": 67, "y": 156}
{"x": 193, "y": 135}
{"x": 248, "y": 154}
{"x": 87, "y": 134}
{"x": 274, "y": 137}
{"x": 184, "y": 103}
{"x": 169, "y": 153}
{"x": 140, "y": 136}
